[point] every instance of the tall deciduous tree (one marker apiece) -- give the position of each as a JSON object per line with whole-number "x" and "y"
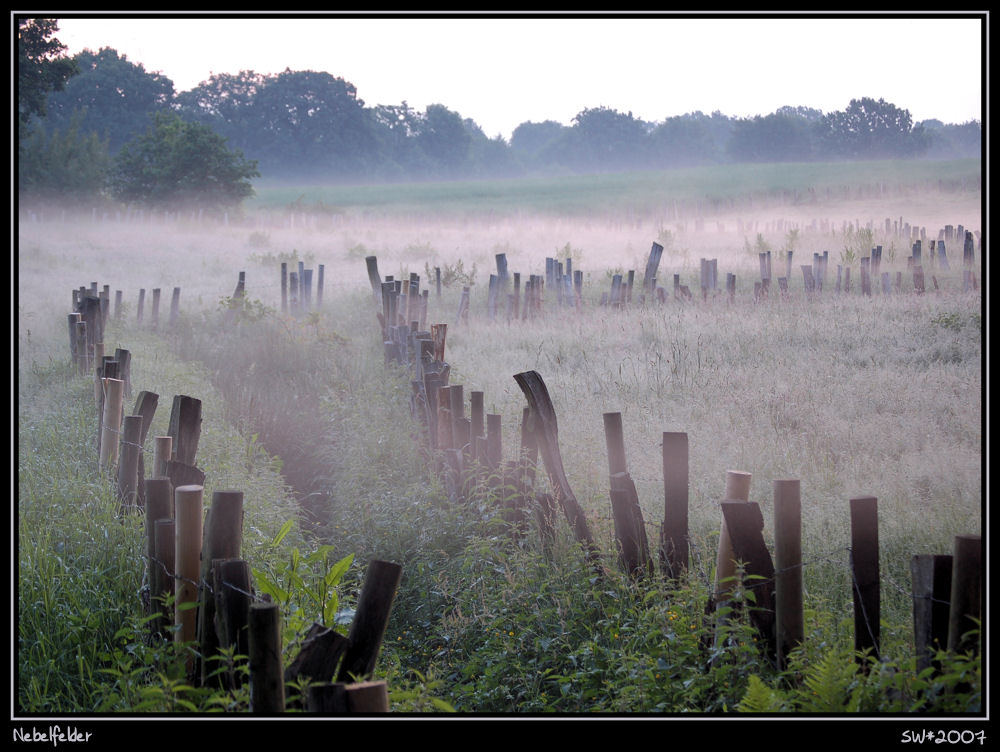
{"x": 111, "y": 96}
{"x": 41, "y": 66}
{"x": 180, "y": 164}
{"x": 871, "y": 129}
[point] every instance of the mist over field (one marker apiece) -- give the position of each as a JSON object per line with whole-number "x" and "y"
{"x": 853, "y": 395}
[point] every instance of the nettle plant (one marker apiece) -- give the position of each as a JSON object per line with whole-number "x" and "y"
{"x": 305, "y": 586}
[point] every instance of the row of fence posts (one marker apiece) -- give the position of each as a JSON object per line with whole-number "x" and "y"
{"x": 568, "y": 283}
{"x": 467, "y": 452}
{"x": 297, "y": 289}
{"x": 197, "y": 586}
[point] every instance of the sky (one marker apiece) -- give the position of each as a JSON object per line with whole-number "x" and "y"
{"x": 503, "y": 71}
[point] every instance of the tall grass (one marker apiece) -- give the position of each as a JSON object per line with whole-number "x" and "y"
{"x": 851, "y": 395}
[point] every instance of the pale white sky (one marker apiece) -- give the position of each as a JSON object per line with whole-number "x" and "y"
{"x": 503, "y": 71}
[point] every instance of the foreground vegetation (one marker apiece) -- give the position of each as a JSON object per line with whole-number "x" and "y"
{"x": 851, "y": 395}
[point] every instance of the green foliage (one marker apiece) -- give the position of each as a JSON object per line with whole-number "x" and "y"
{"x": 181, "y": 164}
{"x": 839, "y": 683}
{"x": 304, "y": 586}
{"x": 452, "y": 274}
{"x": 68, "y": 167}
{"x": 41, "y": 67}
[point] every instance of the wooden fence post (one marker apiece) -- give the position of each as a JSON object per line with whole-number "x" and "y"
{"x": 159, "y": 506}
{"x": 931, "y": 576}
{"x": 370, "y": 619}
{"x": 789, "y": 621}
{"x": 267, "y": 686}
{"x": 128, "y": 467}
{"x": 223, "y": 538}
{"x": 966, "y": 594}
{"x": 674, "y": 535}
{"x": 630, "y": 530}
{"x": 737, "y": 489}
{"x": 185, "y": 428}
{"x": 162, "y": 452}
{"x": 865, "y": 574}
{"x": 155, "y": 313}
{"x": 111, "y": 421}
{"x": 165, "y": 584}
{"x": 746, "y": 527}
{"x": 231, "y": 585}
{"x": 187, "y": 562}
{"x": 547, "y": 428}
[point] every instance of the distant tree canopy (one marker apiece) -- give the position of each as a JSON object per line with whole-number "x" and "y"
{"x": 313, "y": 125}
{"x": 180, "y": 164}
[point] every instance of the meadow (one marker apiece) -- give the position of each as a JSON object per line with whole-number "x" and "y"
{"x": 850, "y": 394}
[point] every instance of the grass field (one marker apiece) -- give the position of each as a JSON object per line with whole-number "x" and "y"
{"x": 852, "y": 395}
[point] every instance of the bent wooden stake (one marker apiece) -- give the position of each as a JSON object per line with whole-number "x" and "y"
{"x": 537, "y": 394}
{"x": 737, "y": 489}
{"x": 111, "y": 421}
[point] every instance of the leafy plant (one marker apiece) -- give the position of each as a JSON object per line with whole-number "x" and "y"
{"x": 304, "y": 586}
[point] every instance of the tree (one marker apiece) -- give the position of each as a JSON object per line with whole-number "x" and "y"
{"x": 772, "y": 138}
{"x": 442, "y": 136}
{"x": 871, "y": 129}
{"x": 683, "y": 141}
{"x": 180, "y": 164}
{"x": 111, "y": 96}
{"x": 225, "y": 103}
{"x": 41, "y": 67}
{"x": 311, "y": 123}
{"x": 607, "y": 139}
{"x": 66, "y": 166}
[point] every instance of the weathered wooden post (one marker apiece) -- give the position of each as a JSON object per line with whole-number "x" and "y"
{"x": 128, "y": 467}
{"x": 674, "y": 535}
{"x": 231, "y": 586}
{"x": 111, "y": 421}
{"x": 175, "y": 306}
{"x": 73, "y": 319}
{"x": 162, "y": 453}
{"x": 370, "y": 619}
{"x": 652, "y": 263}
{"x": 187, "y": 563}
{"x": 185, "y": 428}
{"x": 284, "y": 287}
{"x": 931, "y": 577}
{"x": 82, "y": 349}
{"x": 630, "y": 530}
{"x": 546, "y": 425}
{"x": 140, "y": 305}
{"x": 164, "y": 586}
{"x": 746, "y": 526}
{"x": 267, "y": 686}
{"x": 319, "y": 287}
{"x": 789, "y": 621}
{"x": 159, "y": 506}
{"x": 865, "y": 575}
{"x": 223, "y": 538}
{"x": 737, "y": 489}
{"x": 966, "y": 595}
{"x": 376, "y": 280}
{"x": 155, "y": 312}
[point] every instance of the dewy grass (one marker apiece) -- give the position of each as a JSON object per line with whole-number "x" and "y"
{"x": 851, "y": 395}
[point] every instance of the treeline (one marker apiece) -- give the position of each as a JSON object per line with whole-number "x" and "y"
{"x": 312, "y": 125}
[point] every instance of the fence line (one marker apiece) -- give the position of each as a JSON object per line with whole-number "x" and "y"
{"x": 454, "y": 451}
